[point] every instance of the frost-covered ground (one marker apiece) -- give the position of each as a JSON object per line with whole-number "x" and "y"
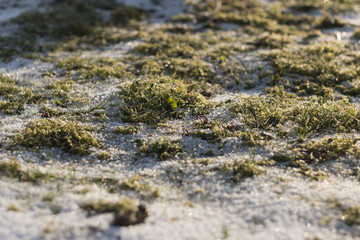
{"x": 194, "y": 193}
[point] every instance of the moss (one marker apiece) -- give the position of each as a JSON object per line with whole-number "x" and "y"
{"x": 104, "y": 156}
{"x": 93, "y": 67}
{"x": 351, "y": 216}
{"x": 328, "y": 21}
{"x": 138, "y": 183}
{"x": 356, "y": 34}
{"x": 68, "y": 135}
{"x": 315, "y": 175}
{"x": 314, "y": 114}
{"x": 170, "y": 45}
{"x": 243, "y": 169}
{"x": 67, "y": 25}
{"x": 273, "y": 41}
{"x": 125, "y": 14}
{"x": 125, "y": 211}
{"x": 16, "y": 96}
{"x": 211, "y": 131}
{"x": 336, "y": 6}
{"x": 126, "y": 130}
{"x": 327, "y": 64}
{"x": 161, "y": 148}
{"x": 330, "y": 149}
{"x": 156, "y": 100}
{"x": 12, "y": 169}
{"x": 14, "y": 208}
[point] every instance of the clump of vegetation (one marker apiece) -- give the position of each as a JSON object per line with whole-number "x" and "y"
{"x": 330, "y": 149}
{"x": 315, "y": 175}
{"x": 211, "y": 131}
{"x": 306, "y": 114}
{"x": 126, "y": 14}
{"x": 325, "y": 65}
{"x": 68, "y": 24}
{"x": 139, "y": 184}
{"x": 170, "y": 45}
{"x": 15, "y": 96}
{"x": 273, "y": 41}
{"x": 125, "y": 211}
{"x": 156, "y": 100}
{"x": 68, "y": 135}
{"x": 126, "y": 130}
{"x": 244, "y": 169}
{"x": 12, "y": 169}
{"x": 356, "y": 34}
{"x": 351, "y": 216}
{"x": 89, "y": 68}
{"x": 328, "y": 21}
{"x": 162, "y": 148}
{"x": 336, "y": 6}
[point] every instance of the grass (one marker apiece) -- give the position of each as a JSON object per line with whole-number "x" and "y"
{"x": 70, "y": 136}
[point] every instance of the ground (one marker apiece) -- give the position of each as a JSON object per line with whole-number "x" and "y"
{"x": 175, "y": 119}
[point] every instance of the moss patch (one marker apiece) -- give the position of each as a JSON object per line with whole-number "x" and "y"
{"x": 351, "y": 216}
{"x": 125, "y": 211}
{"x": 324, "y": 65}
{"x": 156, "y": 100}
{"x": 12, "y": 169}
{"x": 162, "y": 148}
{"x": 306, "y": 114}
{"x": 88, "y": 68}
{"x": 68, "y": 135}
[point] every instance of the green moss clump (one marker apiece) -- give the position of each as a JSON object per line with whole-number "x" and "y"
{"x": 125, "y": 211}
{"x": 170, "y": 45}
{"x": 328, "y": 21}
{"x": 327, "y": 65}
{"x": 243, "y": 169}
{"x": 162, "y": 148}
{"x": 314, "y": 114}
{"x": 330, "y": 149}
{"x": 315, "y": 175}
{"x": 356, "y": 34}
{"x": 156, "y": 100}
{"x": 351, "y": 216}
{"x": 12, "y": 169}
{"x": 138, "y": 183}
{"x": 89, "y": 68}
{"x": 336, "y": 6}
{"x": 125, "y": 14}
{"x": 272, "y": 41}
{"x": 16, "y": 96}
{"x": 68, "y": 135}
{"x": 126, "y": 130}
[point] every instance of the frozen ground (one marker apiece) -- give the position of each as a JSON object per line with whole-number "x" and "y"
{"x": 197, "y": 201}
